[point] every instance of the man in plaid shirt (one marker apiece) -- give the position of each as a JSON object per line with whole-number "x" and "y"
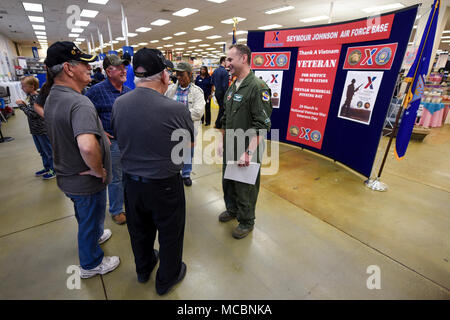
{"x": 103, "y": 96}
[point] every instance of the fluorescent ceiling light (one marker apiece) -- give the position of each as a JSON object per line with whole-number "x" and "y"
{"x": 446, "y": 31}
{"x": 143, "y": 29}
{"x": 114, "y": 41}
{"x": 238, "y": 32}
{"x": 241, "y": 40}
{"x": 201, "y": 50}
{"x": 36, "y": 7}
{"x": 180, "y": 43}
{"x": 230, "y": 21}
{"x": 167, "y": 38}
{"x": 203, "y": 28}
{"x": 154, "y": 41}
{"x": 188, "y": 51}
{"x": 168, "y": 45}
{"x": 159, "y": 47}
{"x": 134, "y": 45}
{"x": 193, "y": 47}
{"x": 77, "y": 30}
{"x": 313, "y": 19}
{"x": 179, "y": 49}
{"x": 185, "y": 12}
{"x": 41, "y": 37}
{"x": 73, "y": 35}
{"x": 43, "y": 33}
{"x": 143, "y": 43}
{"x": 98, "y": 1}
{"x": 160, "y": 22}
{"x": 132, "y": 35}
{"x": 179, "y": 33}
{"x": 415, "y": 27}
{"x": 203, "y": 45}
{"x": 80, "y": 39}
{"x": 213, "y": 37}
{"x": 36, "y": 19}
{"x": 210, "y": 48}
{"x": 446, "y": 37}
{"x": 281, "y": 9}
{"x": 220, "y": 42}
{"x": 81, "y": 23}
{"x": 391, "y": 6}
{"x": 120, "y": 38}
{"x": 38, "y": 27}
{"x": 270, "y": 26}
{"x": 217, "y": 1}
{"x": 195, "y": 40}
{"x": 445, "y": 41}
{"x": 88, "y": 13}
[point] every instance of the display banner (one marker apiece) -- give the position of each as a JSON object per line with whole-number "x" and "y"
{"x": 374, "y": 28}
{"x": 313, "y": 86}
{"x": 128, "y": 49}
{"x": 274, "y": 80}
{"x": 378, "y": 57}
{"x": 334, "y": 99}
{"x": 271, "y": 60}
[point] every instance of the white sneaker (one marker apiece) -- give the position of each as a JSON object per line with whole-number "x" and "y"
{"x": 105, "y": 236}
{"x": 108, "y": 264}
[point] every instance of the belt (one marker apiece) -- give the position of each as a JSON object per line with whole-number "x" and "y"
{"x": 138, "y": 178}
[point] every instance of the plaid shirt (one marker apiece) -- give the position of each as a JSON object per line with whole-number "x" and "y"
{"x": 103, "y": 96}
{"x": 182, "y": 95}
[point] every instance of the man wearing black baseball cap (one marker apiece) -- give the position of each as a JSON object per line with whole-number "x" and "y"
{"x": 81, "y": 152}
{"x": 143, "y": 122}
{"x": 103, "y": 96}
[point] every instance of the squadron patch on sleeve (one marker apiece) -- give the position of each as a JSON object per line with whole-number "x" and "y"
{"x": 265, "y": 96}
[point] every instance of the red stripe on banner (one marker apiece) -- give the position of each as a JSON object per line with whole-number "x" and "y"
{"x": 375, "y": 28}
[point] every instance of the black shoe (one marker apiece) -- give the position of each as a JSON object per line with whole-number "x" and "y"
{"x": 187, "y": 182}
{"x": 179, "y": 278}
{"x": 226, "y": 216}
{"x": 241, "y": 232}
{"x": 143, "y": 277}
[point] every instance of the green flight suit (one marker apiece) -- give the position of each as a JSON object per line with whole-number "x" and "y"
{"x": 248, "y": 107}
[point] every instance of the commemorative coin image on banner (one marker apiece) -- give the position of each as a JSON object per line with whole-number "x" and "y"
{"x": 359, "y": 95}
{"x": 274, "y": 80}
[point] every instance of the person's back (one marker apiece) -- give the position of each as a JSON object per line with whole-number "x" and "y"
{"x": 152, "y": 117}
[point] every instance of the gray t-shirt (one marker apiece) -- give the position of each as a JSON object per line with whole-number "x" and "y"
{"x": 67, "y": 115}
{"x": 143, "y": 121}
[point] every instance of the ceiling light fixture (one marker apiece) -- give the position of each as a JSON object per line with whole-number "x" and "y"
{"x": 120, "y": 38}
{"x": 217, "y": 1}
{"x": 160, "y": 22}
{"x": 180, "y": 43}
{"x": 167, "y": 38}
{"x": 88, "y": 13}
{"x": 238, "y": 32}
{"x": 203, "y": 28}
{"x": 73, "y": 35}
{"x": 154, "y": 41}
{"x": 98, "y": 1}
{"x": 179, "y": 33}
{"x": 195, "y": 40}
{"x": 231, "y": 21}
{"x": 396, "y": 5}
{"x": 220, "y": 42}
{"x": 77, "y": 30}
{"x": 132, "y": 35}
{"x": 143, "y": 29}
{"x": 185, "y": 12}
{"x": 214, "y": 37}
{"x": 36, "y": 19}
{"x": 81, "y": 23}
{"x": 278, "y": 10}
{"x": 270, "y": 26}
{"x": 35, "y": 7}
{"x": 80, "y": 39}
{"x": 43, "y": 33}
{"x": 314, "y": 19}
{"x": 38, "y": 27}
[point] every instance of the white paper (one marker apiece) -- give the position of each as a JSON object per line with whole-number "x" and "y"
{"x": 242, "y": 174}
{"x": 274, "y": 80}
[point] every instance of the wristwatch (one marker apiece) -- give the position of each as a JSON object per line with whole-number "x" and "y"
{"x": 249, "y": 152}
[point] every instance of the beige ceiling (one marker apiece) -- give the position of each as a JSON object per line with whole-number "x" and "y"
{"x": 140, "y": 13}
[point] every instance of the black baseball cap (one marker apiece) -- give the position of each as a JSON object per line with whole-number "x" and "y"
{"x": 114, "y": 60}
{"x": 63, "y": 51}
{"x": 152, "y": 61}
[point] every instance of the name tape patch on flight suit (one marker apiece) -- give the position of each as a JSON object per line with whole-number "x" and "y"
{"x": 265, "y": 96}
{"x": 237, "y": 97}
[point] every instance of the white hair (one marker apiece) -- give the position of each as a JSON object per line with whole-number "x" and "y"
{"x": 154, "y": 78}
{"x": 56, "y": 69}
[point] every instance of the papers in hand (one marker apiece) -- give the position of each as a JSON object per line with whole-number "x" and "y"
{"x": 242, "y": 174}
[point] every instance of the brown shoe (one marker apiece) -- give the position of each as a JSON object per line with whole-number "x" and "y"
{"x": 241, "y": 232}
{"x": 225, "y": 217}
{"x": 120, "y": 218}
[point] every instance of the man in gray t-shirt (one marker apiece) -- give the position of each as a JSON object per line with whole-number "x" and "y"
{"x": 144, "y": 121}
{"x": 80, "y": 152}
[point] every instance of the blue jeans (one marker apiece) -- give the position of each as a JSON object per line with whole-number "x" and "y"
{"x": 90, "y": 214}
{"x": 115, "y": 188}
{"x": 187, "y": 166}
{"x": 44, "y": 148}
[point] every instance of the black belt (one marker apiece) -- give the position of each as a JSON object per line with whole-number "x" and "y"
{"x": 138, "y": 178}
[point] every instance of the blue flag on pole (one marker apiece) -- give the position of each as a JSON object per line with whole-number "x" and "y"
{"x": 234, "y": 31}
{"x": 416, "y": 76}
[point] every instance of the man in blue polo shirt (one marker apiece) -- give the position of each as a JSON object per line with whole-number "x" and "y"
{"x": 220, "y": 81}
{"x": 103, "y": 96}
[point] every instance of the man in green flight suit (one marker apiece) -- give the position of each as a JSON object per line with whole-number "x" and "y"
{"x": 245, "y": 121}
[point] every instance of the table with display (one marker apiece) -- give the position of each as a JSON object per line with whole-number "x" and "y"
{"x": 433, "y": 114}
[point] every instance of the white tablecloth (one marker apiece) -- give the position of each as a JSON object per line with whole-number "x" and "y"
{"x": 15, "y": 90}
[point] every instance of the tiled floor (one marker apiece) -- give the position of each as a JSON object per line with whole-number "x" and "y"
{"x": 318, "y": 228}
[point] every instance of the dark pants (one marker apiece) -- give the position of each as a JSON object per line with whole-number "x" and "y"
{"x": 90, "y": 215}
{"x": 44, "y": 148}
{"x": 156, "y": 205}
{"x": 240, "y": 199}
{"x": 220, "y": 97}
{"x": 207, "y": 116}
